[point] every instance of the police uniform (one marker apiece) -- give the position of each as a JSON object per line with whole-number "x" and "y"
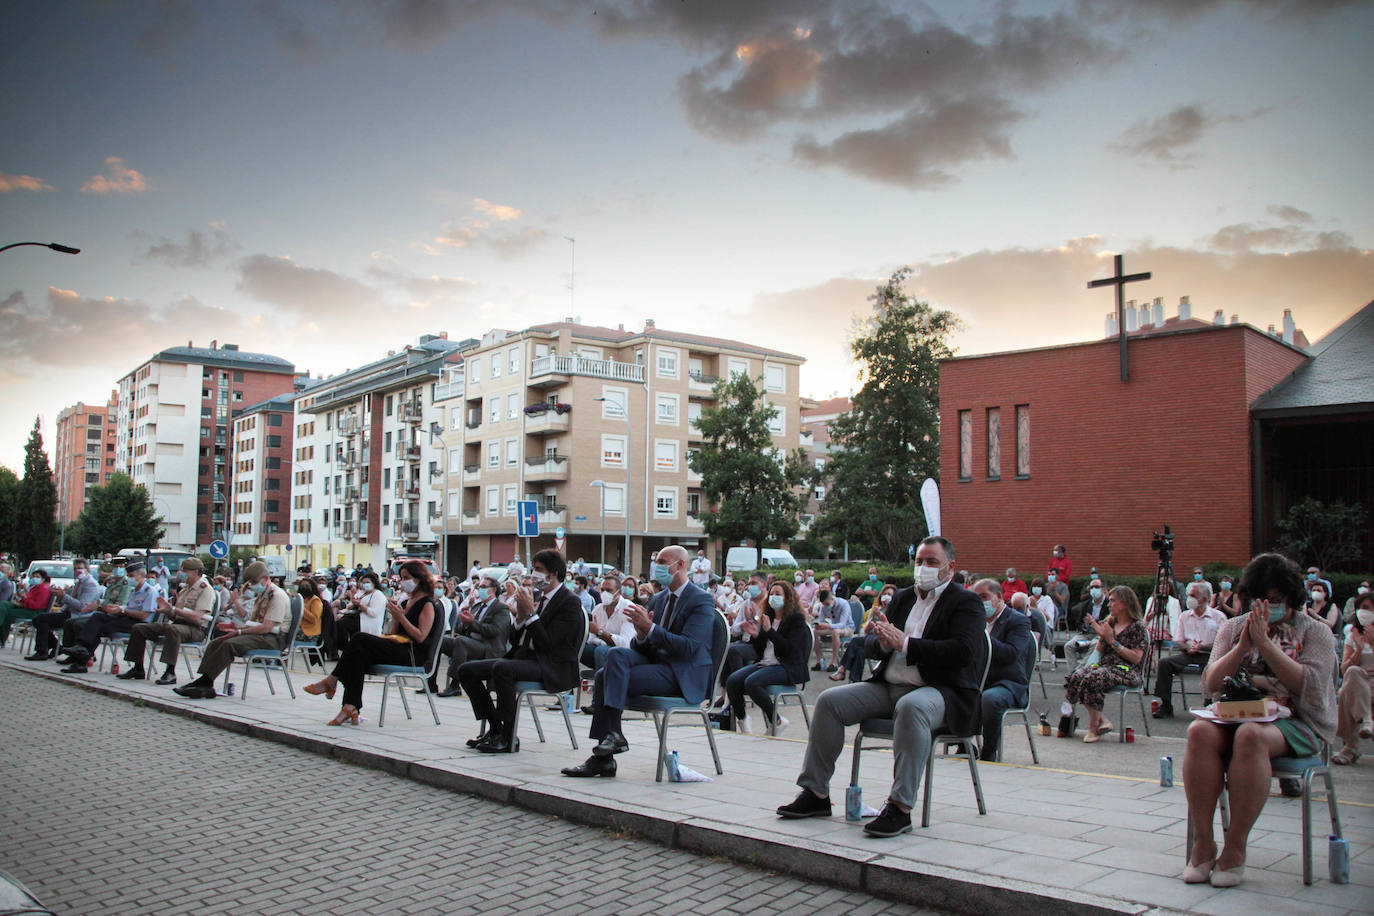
{"x": 199, "y": 598}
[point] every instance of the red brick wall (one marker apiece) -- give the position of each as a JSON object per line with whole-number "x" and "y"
{"x": 1110, "y": 462}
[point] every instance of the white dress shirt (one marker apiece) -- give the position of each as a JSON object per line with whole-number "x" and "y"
{"x": 1199, "y": 629}
{"x": 614, "y": 624}
{"x": 898, "y": 669}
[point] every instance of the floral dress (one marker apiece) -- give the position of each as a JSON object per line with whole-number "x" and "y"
{"x": 1089, "y": 685}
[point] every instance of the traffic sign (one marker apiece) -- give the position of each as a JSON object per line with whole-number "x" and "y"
{"x": 218, "y": 550}
{"x": 289, "y": 548}
{"x": 527, "y": 518}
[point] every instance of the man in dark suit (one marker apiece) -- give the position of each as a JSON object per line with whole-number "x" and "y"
{"x": 932, "y": 651}
{"x": 1013, "y": 658}
{"x": 482, "y": 630}
{"x": 546, "y": 637}
{"x": 669, "y": 656}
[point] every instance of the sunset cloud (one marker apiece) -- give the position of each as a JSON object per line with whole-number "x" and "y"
{"x": 307, "y": 293}
{"x": 499, "y": 212}
{"x": 120, "y": 179}
{"x": 1170, "y": 137}
{"x": 477, "y": 232}
{"x": 200, "y": 249}
{"x": 10, "y": 182}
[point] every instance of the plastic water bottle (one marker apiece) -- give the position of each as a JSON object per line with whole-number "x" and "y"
{"x": 1338, "y": 856}
{"x": 854, "y": 803}
{"x": 670, "y": 759}
{"x": 1166, "y": 771}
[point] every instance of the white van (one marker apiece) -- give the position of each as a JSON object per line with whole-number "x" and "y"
{"x": 746, "y": 559}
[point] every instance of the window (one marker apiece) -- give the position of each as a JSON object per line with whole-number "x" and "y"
{"x": 774, "y": 377}
{"x": 453, "y": 498}
{"x": 455, "y": 461}
{"x": 274, "y": 419}
{"x": 509, "y": 500}
{"x": 694, "y": 504}
{"x": 494, "y": 409}
{"x": 667, "y": 362}
{"x": 238, "y": 376}
{"x": 513, "y": 360}
{"x": 965, "y": 445}
{"x": 693, "y": 414}
{"x": 820, "y": 494}
{"x": 386, "y": 478}
{"x": 665, "y": 409}
{"x": 1022, "y": 440}
{"x": 665, "y": 455}
{"x": 271, "y": 505}
{"x": 493, "y": 454}
{"x": 274, "y": 464}
{"x": 615, "y": 500}
{"x": 665, "y": 502}
{"x": 994, "y": 443}
{"x": 474, "y": 370}
{"x": 612, "y": 451}
{"x": 513, "y": 406}
{"x": 820, "y": 464}
{"x": 493, "y": 501}
{"x": 738, "y": 366}
{"x": 387, "y": 409}
{"x": 778, "y": 425}
{"x": 274, "y": 441}
{"x": 614, "y": 405}
{"x": 455, "y": 418}
{"x": 94, "y": 433}
{"x": 386, "y": 442}
{"x": 512, "y": 453}
{"x": 386, "y": 515}
{"x": 496, "y": 365}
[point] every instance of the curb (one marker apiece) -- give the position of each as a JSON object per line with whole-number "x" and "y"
{"x": 918, "y": 884}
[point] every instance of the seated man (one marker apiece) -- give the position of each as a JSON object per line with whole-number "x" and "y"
{"x": 266, "y": 628}
{"x": 669, "y": 656}
{"x": 1194, "y": 634}
{"x": 483, "y": 630}
{"x": 1080, "y": 619}
{"x": 113, "y": 618}
{"x": 544, "y": 647}
{"x": 1024, "y": 604}
{"x": 833, "y": 621}
{"x": 609, "y": 627}
{"x": 183, "y": 619}
{"x": 1013, "y": 657}
{"x": 932, "y": 656}
{"x": 77, "y": 602}
{"x": 1013, "y": 585}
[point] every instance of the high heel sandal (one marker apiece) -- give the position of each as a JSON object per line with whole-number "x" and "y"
{"x": 1105, "y": 727}
{"x": 1200, "y": 873}
{"x": 348, "y": 715}
{"x": 326, "y": 687}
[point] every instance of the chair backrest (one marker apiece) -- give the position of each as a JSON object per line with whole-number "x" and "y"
{"x": 987, "y": 660}
{"x": 720, "y": 644}
{"x": 1033, "y": 656}
{"x": 856, "y": 614}
{"x": 297, "y": 611}
{"x": 810, "y": 640}
{"x": 436, "y": 647}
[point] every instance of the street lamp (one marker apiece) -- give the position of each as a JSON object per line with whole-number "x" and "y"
{"x": 437, "y": 432}
{"x": 64, "y": 249}
{"x": 602, "y": 485}
{"x": 624, "y": 411}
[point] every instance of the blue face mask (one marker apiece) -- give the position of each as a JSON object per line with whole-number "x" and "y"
{"x": 628, "y": 591}
{"x": 259, "y": 589}
{"x": 119, "y": 572}
{"x": 1277, "y": 612}
{"x": 755, "y": 591}
{"x": 989, "y": 609}
{"x": 1036, "y": 591}
{"x": 662, "y": 575}
{"x": 35, "y": 580}
{"x": 1053, "y": 579}
{"x": 1225, "y": 585}
{"x": 1095, "y": 592}
{"x": 484, "y": 593}
{"x": 1311, "y": 577}
{"x": 1197, "y": 577}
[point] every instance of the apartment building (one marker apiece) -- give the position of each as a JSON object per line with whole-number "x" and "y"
{"x": 363, "y": 459}
{"x": 172, "y": 430}
{"x": 570, "y": 415}
{"x": 260, "y": 480}
{"x": 84, "y": 454}
{"x": 816, "y": 417}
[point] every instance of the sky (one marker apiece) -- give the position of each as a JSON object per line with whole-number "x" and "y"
{"x": 325, "y": 181}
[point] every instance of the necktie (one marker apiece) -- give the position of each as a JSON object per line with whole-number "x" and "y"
{"x": 668, "y": 615}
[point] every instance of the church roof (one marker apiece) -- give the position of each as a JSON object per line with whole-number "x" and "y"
{"x": 1339, "y": 374}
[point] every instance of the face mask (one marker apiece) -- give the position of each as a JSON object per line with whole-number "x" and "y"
{"x": 810, "y": 580}
{"x": 1365, "y": 616}
{"x": 1053, "y": 579}
{"x": 1192, "y": 603}
{"x": 663, "y": 575}
{"x": 1036, "y": 591}
{"x": 885, "y": 600}
{"x": 407, "y": 585}
{"x": 775, "y": 602}
{"x": 1096, "y": 593}
{"x": 367, "y": 587}
{"x": 927, "y": 577}
{"x": 259, "y": 589}
{"x": 539, "y": 580}
{"x": 483, "y": 594}
{"x": 1225, "y": 585}
{"x": 627, "y": 590}
{"x": 1362, "y": 590}
{"x": 1317, "y": 595}
{"x": 1311, "y": 577}
{"x": 755, "y": 591}
{"x": 1277, "y": 612}
{"x": 35, "y": 580}
{"x": 798, "y": 579}
{"x": 608, "y": 597}
{"x": 989, "y": 609}
{"x": 119, "y": 573}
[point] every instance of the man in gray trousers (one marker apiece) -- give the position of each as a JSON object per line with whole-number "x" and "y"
{"x": 932, "y": 653}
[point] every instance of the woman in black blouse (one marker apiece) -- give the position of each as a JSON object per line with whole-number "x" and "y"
{"x": 779, "y": 641}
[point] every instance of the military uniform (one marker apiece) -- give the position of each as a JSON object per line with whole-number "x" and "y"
{"x": 200, "y": 599}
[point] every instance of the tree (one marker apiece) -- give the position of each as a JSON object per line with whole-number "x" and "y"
{"x": 37, "y": 515}
{"x": 120, "y": 514}
{"x": 9, "y": 509}
{"x": 888, "y": 443}
{"x": 1320, "y": 534}
{"x": 754, "y": 490}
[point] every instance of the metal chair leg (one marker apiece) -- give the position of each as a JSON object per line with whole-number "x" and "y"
{"x": 1307, "y": 827}
{"x": 711, "y": 739}
{"x": 381, "y": 714}
{"x": 977, "y": 782}
{"x": 930, "y": 778}
{"x": 401, "y": 691}
{"x": 567, "y": 719}
{"x": 858, "y": 746}
{"x": 661, "y": 723}
{"x": 429, "y": 695}
{"x": 1144, "y": 711}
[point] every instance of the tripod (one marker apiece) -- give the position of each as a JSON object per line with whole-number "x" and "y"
{"x": 1164, "y": 573}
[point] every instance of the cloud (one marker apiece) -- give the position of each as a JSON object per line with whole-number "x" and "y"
{"x": 198, "y": 250}
{"x": 120, "y": 180}
{"x": 307, "y": 293}
{"x": 499, "y": 212}
{"x": 915, "y": 150}
{"x": 478, "y": 232}
{"x": 1183, "y": 9}
{"x": 421, "y": 289}
{"x": 10, "y": 182}
{"x": 1290, "y": 214}
{"x": 174, "y": 23}
{"x": 1166, "y": 138}
{"x": 289, "y": 29}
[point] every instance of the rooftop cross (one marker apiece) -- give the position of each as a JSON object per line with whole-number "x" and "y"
{"x": 1120, "y": 281}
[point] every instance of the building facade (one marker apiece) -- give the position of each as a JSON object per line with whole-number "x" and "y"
{"x": 260, "y": 478}
{"x": 173, "y": 425}
{"x": 363, "y": 460}
{"x": 575, "y": 417}
{"x": 84, "y": 454}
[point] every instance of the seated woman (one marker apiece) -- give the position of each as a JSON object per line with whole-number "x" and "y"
{"x": 417, "y": 626}
{"x": 1225, "y": 599}
{"x": 35, "y": 601}
{"x": 1121, "y": 643}
{"x": 1321, "y": 607}
{"x": 1289, "y": 656}
{"x": 366, "y": 611}
{"x": 312, "y": 609}
{"x": 852, "y": 662}
{"x": 778, "y": 639}
{"x": 1357, "y": 673}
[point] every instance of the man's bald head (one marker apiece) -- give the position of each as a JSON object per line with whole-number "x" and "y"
{"x": 1018, "y": 601}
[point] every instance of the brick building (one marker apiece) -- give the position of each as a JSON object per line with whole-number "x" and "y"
{"x": 260, "y": 483}
{"x": 1049, "y": 445}
{"x": 84, "y": 454}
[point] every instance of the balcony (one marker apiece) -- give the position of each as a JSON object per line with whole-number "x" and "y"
{"x": 408, "y": 529}
{"x": 434, "y": 512}
{"x": 551, "y": 371}
{"x": 553, "y": 515}
{"x": 411, "y": 412}
{"x": 407, "y": 489}
{"x": 348, "y": 529}
{"x": 410, "y": 452}
{"x": 350, "y": 425}
{"x": 453, "y": 389}
{"x": 436, "y": 473}
{"x": 474, "y": 422}
{"x": 471, "y": 515}
{"x": 472, "y": 473}
{"x": 546, "y": 469}
{"x": 694, "y": 521}
{"x": 349, "y": 459}
{"x": 354, "y": 494}
{"x": 701, "y": 382}
{"x": 549, "y": 419}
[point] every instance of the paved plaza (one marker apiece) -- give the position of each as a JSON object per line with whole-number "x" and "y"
{"x": 1090, "y": 830}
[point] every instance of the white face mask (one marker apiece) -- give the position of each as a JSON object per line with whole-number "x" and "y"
{"x": 1365, "y": 616}
{"x": 407, "y": 585}
{"x": 368, "y": 586}
{"x": 885, "y": 600}
{"x": 927, "y": 577}
{"x": 775, "y": 602}
{"x": 539, "y": 580}
{"x": 609, "y": 597}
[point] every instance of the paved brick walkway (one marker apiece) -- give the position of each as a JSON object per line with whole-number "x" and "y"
{"x": 114, "y": 808}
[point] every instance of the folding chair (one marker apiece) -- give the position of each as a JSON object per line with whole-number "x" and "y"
{"x": 780, "y": 692}
{"x": 1024, "y": 710}
{"x": 1122, "y": 690}
{"x": 400, "y": 673}
{"x": 199, "y": 647}
{"x": 268, "y": 659}
{"x": 526, "y": 691}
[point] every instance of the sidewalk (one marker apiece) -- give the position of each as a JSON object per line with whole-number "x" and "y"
{"x": 1053, "y": 841}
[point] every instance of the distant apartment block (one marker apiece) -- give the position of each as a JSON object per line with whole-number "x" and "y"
{"x": 260, "y": 480}
{"x": 84, "y": 450}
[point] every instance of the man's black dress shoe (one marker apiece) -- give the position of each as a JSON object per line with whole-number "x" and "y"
{"x": 76, "y": 667}
{"x": 892, "y": 821}
{"x": 450, "y": 692}
{"x": 473, "y": 742}
{"x": 595, "y": 766}
{"x": 168, "y": 677}
{"x": 1164, "y": 712}
{"x": 195, "y": 692}
{"x": 806, "y": 804}
{"x": 496, "y": 743}
{"x": 37, "y": 657}
{"x": 133, "y": 674}
{"x": 614, "y": 743}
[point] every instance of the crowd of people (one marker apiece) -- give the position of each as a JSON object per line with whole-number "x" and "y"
{"x": 949, "y": 653}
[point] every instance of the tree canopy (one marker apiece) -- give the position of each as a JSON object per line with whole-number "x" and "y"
{"x": 36, "y": 516}
{"x": 120, "y": 514}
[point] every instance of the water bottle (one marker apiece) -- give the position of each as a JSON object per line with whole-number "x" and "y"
{"x": 1166, "y": 771}
{"x": 854, "y": 803}
{"x": 229, "y": 690}
{"x": 568, "y": 702}
{"x": 670, "y": 759}
{"x": 1338, "y": 856}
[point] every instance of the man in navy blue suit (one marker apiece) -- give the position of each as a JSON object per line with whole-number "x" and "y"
{"x": 670, "y": 655}
{"x": 1013, "y": 659}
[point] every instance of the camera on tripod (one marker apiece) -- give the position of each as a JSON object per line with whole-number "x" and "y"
{"x": 1163, "y": 544}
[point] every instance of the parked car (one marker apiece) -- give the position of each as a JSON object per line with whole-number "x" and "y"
{"x": 394, "y": 567}
{"x": 746, "y": 559}
{"x": 60, "y": 572}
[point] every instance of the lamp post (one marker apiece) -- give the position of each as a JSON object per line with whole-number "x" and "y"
{"x": 624, "y": 411}
{"x": 437, "y": 432}
{"x": 64, "y": 249}
{"x": 602, "y": 485}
